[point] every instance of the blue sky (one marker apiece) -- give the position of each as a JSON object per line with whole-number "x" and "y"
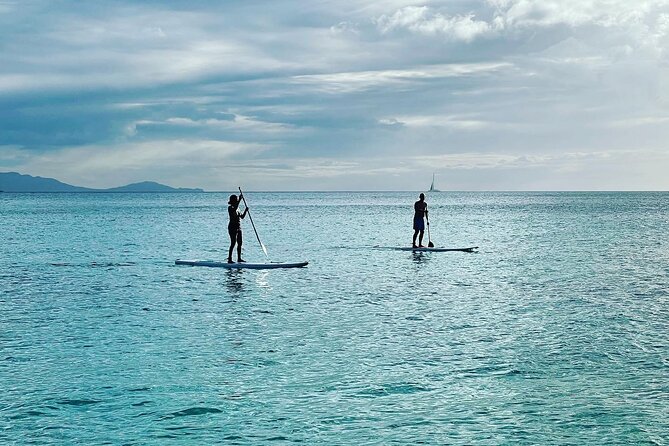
{"x": 338, "y": 95}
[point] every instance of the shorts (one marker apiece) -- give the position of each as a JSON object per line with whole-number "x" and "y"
{"x": 418, "y": 224}
{"x": 235, "y": 235}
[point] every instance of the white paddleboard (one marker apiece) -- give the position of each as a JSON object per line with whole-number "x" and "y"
{"x": 470, "y": 249}
{"x": 214, "y": 264}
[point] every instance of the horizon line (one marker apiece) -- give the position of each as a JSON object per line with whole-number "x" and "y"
{"x": 103, "y": 191}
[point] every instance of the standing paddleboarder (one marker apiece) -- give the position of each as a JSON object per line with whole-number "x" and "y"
{"x": 235, "y": 227}
{"x": 420, "y": 211}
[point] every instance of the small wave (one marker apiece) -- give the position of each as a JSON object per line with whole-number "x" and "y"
{"x": 180, "y": 428}
{"x": 93, "y": 264}
{"x": 78, "y": 402}
{"x": 141, "y": 403}
{"x": 193, "y": 411}
{"x": 415, "y": 423}
{"x": 393, "y": 389}
{"x": 17, "y": 359}
{"x": 501, "y": 370}
{"x": 30, "y": 413}
{"x": 110, "y": 264}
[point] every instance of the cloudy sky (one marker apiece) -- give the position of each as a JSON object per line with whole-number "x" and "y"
{"x": 338, "y": 94}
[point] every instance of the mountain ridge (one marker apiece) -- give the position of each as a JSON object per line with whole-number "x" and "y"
{"x": 16, "y": 182}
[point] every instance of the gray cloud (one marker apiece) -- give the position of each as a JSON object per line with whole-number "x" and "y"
{"x": 506, "y": 94}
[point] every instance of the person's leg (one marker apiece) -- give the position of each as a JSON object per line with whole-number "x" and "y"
{"x": 420, "y": 239}
{"x": 232, "y": 245}
{"x": 415, "y": 234}
{"x": 239, "y": 246}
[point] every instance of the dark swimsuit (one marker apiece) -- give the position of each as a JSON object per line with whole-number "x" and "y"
{"x": 418, "y": 222}
{"x": 234, "y": 227}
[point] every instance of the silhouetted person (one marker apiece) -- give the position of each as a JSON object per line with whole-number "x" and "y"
{"x": 234, "y": 227}
{"x": 420, "y": 208}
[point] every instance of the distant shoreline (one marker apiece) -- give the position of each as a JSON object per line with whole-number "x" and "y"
{"x": 15, "y": 182}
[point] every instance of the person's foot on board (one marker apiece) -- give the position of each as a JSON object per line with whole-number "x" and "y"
{"x": 421, "y": 246}
{"x": 240, "y": 260}
{"x": 414, "y": 246}
{"x": 230, "y": 261}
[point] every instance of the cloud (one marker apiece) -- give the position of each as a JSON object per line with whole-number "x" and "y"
{"x": 107, "y": 166}
{"x": 236, "y": 123}
{"x": 644, "y": 21}
{"x": 607, "y": 13}
{"x": 640, "y": 121}
{"x": 344, "y": 28}
{"x": 344, "y": 94}
{"x": 347, "y": 82}
{"x": 145, "y": 45}
{"x": 447, "y": 121}
{"x": 7, "y": 7}
{"x": 473, "y": 160}
{"x": 12, "y": 155}
{"x": 421, "y": 20}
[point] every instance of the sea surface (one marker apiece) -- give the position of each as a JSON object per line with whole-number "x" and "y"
{"x": 555, "y": 332}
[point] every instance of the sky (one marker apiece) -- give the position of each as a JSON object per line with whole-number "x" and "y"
{"x": 338, "y": 95}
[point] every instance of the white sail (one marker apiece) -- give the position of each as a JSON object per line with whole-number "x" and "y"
{"x": 432, "y": 189}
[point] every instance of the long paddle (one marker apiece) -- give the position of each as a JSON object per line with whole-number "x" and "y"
{"x": 429, "y": 239}
{"x": 254, "y": 226}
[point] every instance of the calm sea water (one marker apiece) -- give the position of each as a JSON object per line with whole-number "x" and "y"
{"x": 556, "y": 332}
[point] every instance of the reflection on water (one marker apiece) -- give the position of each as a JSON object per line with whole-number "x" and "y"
{"x": 262, "y": 280}
{"x": 234, "y": 280}
{"x": 420, "y": 257}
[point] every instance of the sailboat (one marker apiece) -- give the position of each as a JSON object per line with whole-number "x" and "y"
{"x": 432, "y": 189}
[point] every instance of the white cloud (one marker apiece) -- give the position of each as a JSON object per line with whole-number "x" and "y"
{"x": 11, "y": 154}
{"x": 469, "y": 161}
{"x": 639, "y": 121}
{"x": 575, "y": 12}
{"x": 361, "y": 80}
{"x": 421, "y": 19}
{"x": 447, "y": 121}
{"x": 130, "y": 47}
{"x": 238, "y": 122}
{"x": 644, "y": 21}
{"x": 561, "y": 162}
{"x": 107, "y": 166}
{"x": 344, "y": 28}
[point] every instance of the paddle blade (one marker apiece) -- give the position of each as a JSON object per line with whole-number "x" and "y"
{"x": 264, "y": 249}
{"x": 430, "y": 245}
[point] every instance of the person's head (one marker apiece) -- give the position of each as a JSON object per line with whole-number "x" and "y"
{"x": 422, "y": 197}
{"x": 233, "y": 199}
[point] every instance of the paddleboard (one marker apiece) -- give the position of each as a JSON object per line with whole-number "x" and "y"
{"x": 214, "y": 264}
{"x": 470, "y": 249}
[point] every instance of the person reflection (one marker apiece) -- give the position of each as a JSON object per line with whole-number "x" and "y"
{"x": 420, "y": 257}
{"x": 234, "y": 281}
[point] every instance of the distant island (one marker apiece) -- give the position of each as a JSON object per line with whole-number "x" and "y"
{"x": 16, "y": 182}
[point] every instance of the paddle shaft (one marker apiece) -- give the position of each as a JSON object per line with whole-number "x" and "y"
{"x": 429, "y": 238}
{"x": 251, "y": 219}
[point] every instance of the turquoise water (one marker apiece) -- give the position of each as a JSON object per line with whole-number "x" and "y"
{"x": 556, "y": 332}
